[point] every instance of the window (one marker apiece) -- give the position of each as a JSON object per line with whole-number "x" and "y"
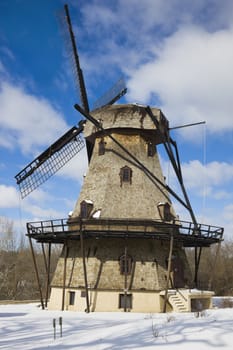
{"x": 102, "y": 147}
{"x": 125, "y": 301}
{"x": 150, "y": 149}
{"x": 125, "y": 262}
{"x": 85, "y": 209}
{"x": 71, "y": 298}
{"x": 165, "y": 211}
{"x": 126, "y": 174}
{"x": 83, "y": 294}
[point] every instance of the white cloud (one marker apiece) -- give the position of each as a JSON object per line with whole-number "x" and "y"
{"x": 40, "y": 213}
{"x": 228, "y": 213}
{"x": 27, "y": 121}
{"x": 212, "y": 174}
{"x": 38, "y": 195}
{"x": 9, "y": 197}
{"x": 39, "y": 205}
{"x": 190, "y": 74}
{"x": 221, "y": 195}
{"x": 2, "y": 69}
{"x": 177, "y": 54}
{"x": 209, "y": 187}
{"x": 5, "y": 51}
{"x": 138, "y": 18}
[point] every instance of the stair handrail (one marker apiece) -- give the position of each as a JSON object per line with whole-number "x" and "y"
{"x": 181, "y": 294}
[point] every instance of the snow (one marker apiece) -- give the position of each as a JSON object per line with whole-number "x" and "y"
{"x": 26, "y": 326}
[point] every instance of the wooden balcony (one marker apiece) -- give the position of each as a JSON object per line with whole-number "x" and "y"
{"x": 62, "y": 230}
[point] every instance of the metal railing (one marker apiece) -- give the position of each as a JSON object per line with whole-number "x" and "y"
{"x": 179, "y": 228}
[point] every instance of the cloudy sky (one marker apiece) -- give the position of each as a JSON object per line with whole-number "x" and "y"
{"x": 176, "y": 55}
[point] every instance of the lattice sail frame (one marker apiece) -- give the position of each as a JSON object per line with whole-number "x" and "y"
{"x": 37, "y": 173}
{"x": 112, "y": 95}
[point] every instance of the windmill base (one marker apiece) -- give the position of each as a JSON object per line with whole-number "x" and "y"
{"x": 178, "y": 300}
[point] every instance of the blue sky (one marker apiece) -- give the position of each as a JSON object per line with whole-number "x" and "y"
{"x": 176, "y": 55}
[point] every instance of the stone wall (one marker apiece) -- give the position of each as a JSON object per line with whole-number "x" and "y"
{"x": 149, "y": 266}
{"x": 102, "y": 184}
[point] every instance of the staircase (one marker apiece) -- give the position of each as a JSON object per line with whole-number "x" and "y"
{"x": 178, "y": 302}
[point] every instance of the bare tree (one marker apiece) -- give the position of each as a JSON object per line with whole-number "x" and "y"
{"x": 17, "y": 275}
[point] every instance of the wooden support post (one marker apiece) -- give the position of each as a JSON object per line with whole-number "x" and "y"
{"x": 48, "y": 274}
{"x": 125, "y": 281}
{"x": 84, "y": 270}
{"x": 64, "y": 276}
{"x": 195, "y": 267}
{"x": 197, "y": 264}
{"x": 168, "y": 272}
{"x": 214, "y": 266}
{"x": 36, "y": 271}
{"x": 44, "y": 256}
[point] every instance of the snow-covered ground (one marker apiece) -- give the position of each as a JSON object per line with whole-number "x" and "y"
{"x": 26, "y": 326}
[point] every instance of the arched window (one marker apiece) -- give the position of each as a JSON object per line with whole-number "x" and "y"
{"x": 126, "y": 174}
{"x": 125, "y": 262}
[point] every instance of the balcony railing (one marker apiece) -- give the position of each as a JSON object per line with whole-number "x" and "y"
{"x": 63, "y": 229}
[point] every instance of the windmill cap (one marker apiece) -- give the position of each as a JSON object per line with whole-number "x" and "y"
{"x": 125, "y": 116}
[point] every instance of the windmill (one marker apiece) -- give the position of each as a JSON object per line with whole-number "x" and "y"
{"x": 123, "y": 245}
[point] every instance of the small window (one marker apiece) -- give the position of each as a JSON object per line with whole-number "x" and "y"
{"x": 102, "y": 147}
{"x": 125, "y": 301}
{"x": 125, "y": 262}
{"x": 85, "y": 209}
{"x": 126, "y": 174}
{"x": 165, "y": 211}
{"x": 83, "y": 294}
{"x": 150, "y": 149}
{"x": 71, "y": 298}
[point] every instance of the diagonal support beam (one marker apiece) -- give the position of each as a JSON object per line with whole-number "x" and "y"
{"x": 37, "y": 273}
{"x": 84, "y": 269}
{"x": 174, "y": 158}
{"x": 197, "y": 258}
{"x": 168, "y": 273}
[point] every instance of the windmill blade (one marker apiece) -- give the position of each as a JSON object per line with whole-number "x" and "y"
{"x": 112, "y": 95}
{"x": 76, "y": 63}
{"x": 50, "y": 161}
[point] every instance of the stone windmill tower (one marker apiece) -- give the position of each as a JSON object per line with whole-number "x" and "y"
{"x": 123, "y": 245}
